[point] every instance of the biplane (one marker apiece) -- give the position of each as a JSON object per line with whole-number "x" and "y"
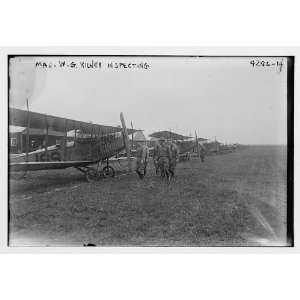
{"x": 83, "y": 145}
{"x": 227, "y": 148}
{"x": 186, "y": 144}
{"x": 213, "y": 147}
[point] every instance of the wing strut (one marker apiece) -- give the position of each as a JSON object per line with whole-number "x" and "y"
{"x": 197, "y": 144}
{"x": 65, "y": 140}
{"x": 27, "y": 131}
{"x": 132, "y": 135}
{"x": 46, "y": 138}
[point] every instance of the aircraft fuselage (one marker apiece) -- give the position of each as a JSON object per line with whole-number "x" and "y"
{"x": 88, "y": 149}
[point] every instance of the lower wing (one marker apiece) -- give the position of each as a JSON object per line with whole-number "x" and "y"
{"x": 49, "y": 165}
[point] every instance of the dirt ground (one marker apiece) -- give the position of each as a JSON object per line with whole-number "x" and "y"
{"x": 235, "y": 199}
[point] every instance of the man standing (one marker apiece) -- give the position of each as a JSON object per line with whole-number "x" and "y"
{"x": 202, "y": 152}
{"x": 155, "y": 158}
{"x": 162, "y": 156}
{"x": 174, "y": 156}
{"x": 142, "y": 155}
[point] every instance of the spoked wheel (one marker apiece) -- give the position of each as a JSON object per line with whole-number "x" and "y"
{"x": 108, "y": 171}
{"x": 92, "y": 175}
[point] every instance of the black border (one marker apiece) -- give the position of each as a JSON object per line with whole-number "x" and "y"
{"x": 290, "y": 149}
{"x": 290, "y": 131}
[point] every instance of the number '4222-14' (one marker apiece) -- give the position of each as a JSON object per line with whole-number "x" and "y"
{"x": 267, "y": 63}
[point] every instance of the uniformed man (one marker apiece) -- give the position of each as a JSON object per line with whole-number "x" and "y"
{"x": 174, "y": 157}
{"x": 202, "y": 150}
{"x": 162, "y": 155}
{"x": 142, "y": 155}
{"x": 155, "y": 158}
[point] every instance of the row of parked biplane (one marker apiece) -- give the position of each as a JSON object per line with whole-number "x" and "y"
{"x": 86, "y": 146}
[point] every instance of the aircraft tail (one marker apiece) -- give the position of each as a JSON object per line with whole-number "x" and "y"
{"x": 126, "y": 140}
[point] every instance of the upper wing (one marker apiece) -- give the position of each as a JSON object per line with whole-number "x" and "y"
{"x": 49, "y": 165}
{"x": 168, "y": 135}
{"x": 19, "y": 117}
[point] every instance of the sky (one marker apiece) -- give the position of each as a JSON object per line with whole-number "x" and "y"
{"x": 213, "y": 96}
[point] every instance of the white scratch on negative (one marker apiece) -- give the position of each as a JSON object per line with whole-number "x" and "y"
{"x": 257, "y": 214}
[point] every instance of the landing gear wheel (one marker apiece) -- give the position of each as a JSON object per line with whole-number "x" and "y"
{"x": 92, "y": 175}
{"x": 108, "y": 171}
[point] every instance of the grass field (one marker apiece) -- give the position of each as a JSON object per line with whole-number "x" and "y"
{"x": 229, "y": 200}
